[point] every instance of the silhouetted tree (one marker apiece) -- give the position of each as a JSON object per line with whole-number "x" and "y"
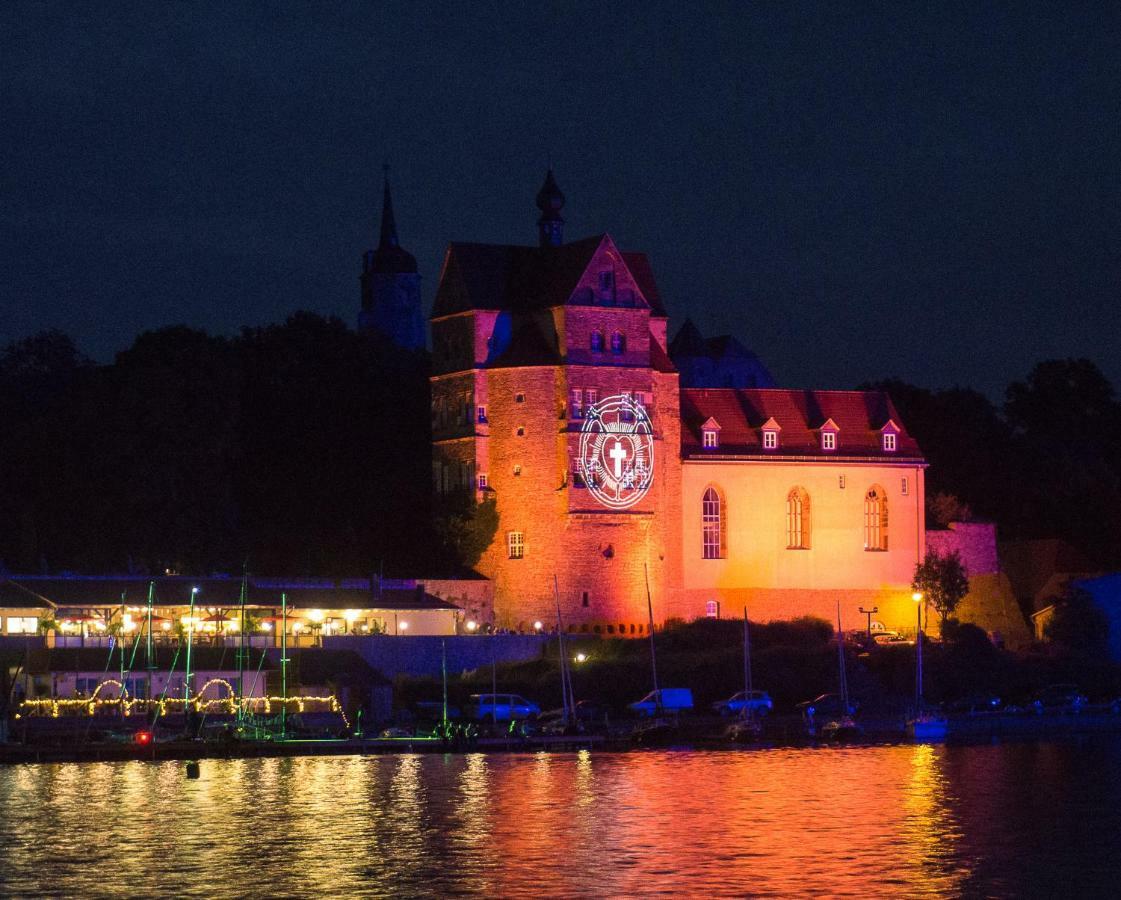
{"x": 943, "y": 581}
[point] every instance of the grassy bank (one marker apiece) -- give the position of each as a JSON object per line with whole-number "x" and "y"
{"x": 793, "y": 661}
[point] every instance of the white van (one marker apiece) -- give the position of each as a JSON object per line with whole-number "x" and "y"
{"x": 666, "y": 700}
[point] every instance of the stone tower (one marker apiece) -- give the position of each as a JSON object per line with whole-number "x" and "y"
{"x": 391, "y": 286}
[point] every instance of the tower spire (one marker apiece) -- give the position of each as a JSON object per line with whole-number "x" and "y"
{"x": 388, "y": 237}
{"x": 550, "y": 200}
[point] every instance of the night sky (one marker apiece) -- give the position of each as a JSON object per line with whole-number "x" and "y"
{"x": 925, "y": 191}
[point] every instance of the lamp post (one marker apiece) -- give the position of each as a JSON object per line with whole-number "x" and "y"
{"x": 190, "y": 640}
{"x": 918, "y": 598}
{"x": 869, "y": 613}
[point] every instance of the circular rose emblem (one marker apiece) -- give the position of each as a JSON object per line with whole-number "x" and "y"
{"x": 616, "y": 460}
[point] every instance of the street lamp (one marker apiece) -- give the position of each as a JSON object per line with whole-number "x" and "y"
{"x": 537, "y": 626}
{"x": 581, "y": 657}
{"x": 917, "y": 597}
{"x": 472, "y": 625}
{"x": 869, "y": 613}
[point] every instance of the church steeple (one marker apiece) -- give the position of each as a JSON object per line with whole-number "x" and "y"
{"x": 550, "y": 200}
{"x": 388, "y": 223}
{"x": 391, "y": 285}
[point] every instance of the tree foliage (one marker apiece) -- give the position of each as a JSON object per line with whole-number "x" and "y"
{"x": 302, "y": 448}
{"x": 942, "y": 580}
{"x": 466, "y": 530}
{"x": 1079, "y": 626}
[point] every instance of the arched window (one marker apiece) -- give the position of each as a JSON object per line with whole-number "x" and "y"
{"x": 597, "y": 342}
{"x": 712, "y": 609}
{"x": 713, "y": 515}
{"x": 618, "y": 342}
{"x": 875, "y": 519}
{"x": 798, "y": 519}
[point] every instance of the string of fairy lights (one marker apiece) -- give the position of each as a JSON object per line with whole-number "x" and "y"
{"x": 127, "y": 706}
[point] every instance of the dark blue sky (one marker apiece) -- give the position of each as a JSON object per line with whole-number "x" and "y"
{"x": 929, "y": 191}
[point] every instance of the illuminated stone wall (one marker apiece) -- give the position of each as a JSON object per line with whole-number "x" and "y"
{"x": 778, "y": 583}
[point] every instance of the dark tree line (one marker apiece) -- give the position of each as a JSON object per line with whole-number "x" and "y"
{"x": 301, "y": 448}
{"x": 1046, "y": 463}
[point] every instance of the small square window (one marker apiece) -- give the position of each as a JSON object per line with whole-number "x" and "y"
{"x": 841, "y": 482}
{"x": 521, "y": 431}
{"x": 519, "y": 398}
{"x": 482, "y": 481}
{"x": 828, "y": 440}
{"x": 515, "y": 544}
{"x": 709, "y": 439}
{"x": 482, "y": 411}
{"x": 584, "y": 599}
{"x": 904, "y": 488}
{"x": 591, "y": 395}
{"x": 889, "y": 442}
{"x": 517, "y": 471}
{"x": 770, "y": 440}
{"x": 577, "y": 403}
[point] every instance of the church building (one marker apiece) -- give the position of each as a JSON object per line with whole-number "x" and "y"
{"x": 622, "y": 478}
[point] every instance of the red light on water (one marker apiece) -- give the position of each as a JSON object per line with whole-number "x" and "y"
{"x": 143, "y": 738}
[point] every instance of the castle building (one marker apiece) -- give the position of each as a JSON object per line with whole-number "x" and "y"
{"x": 391, "y": 286}
{"x": 554, "y": 395}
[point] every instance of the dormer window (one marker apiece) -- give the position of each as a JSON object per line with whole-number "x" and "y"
{"x": 889, "y": 436}
{"x": 828, "y": 432}
{"x": 770, "y": 429}
{"x": 710, "y": 434}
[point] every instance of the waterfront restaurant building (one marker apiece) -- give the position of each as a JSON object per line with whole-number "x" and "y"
{"x": 556, "y": 395}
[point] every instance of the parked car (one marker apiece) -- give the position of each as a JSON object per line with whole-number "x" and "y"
{"x": 889, "y": 638}
{"x": 666, "y": 700}
{"x": 825, "y": 706}
{"x": 744, "y": 701}
{"x": 1059, "y": 696}
{"x": 502, "y": 707}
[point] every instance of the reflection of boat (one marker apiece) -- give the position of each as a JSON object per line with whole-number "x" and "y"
{"x": 928, "y": 727}
{"x": 747, "y": 727}
{"x": 924, "y": 726}
{"x": 843, "y": 727}
{"x": 744, "y": 730}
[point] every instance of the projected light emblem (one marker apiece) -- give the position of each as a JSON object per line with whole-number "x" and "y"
{"x": 617, "y": 452}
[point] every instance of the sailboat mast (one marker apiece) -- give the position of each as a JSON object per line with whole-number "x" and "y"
{"x": 562, "y": 658}
{"x": 241, "y": 646}
{"x": 746, "y": 657}
{"x": 653, "y": 654}
{"x": 148, "y": 643}
{"x": 444, "y": 672}
{"x": 841, "y": 661}
{"x": 284, "y": 665}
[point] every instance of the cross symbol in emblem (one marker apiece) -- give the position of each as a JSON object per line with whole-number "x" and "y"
{"x": 618, "y": 454}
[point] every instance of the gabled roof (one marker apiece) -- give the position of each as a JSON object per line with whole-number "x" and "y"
{"x": 522, "y": 279}
{"x": 857, "y": 415}
{"x": 771, "y": 425}
{"x": 710, "y": 424}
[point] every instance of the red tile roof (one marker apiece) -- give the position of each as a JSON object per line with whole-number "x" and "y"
{"x": 859, "y": 416}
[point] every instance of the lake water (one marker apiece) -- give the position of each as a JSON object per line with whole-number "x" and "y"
{"x": 996, "y": 820}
